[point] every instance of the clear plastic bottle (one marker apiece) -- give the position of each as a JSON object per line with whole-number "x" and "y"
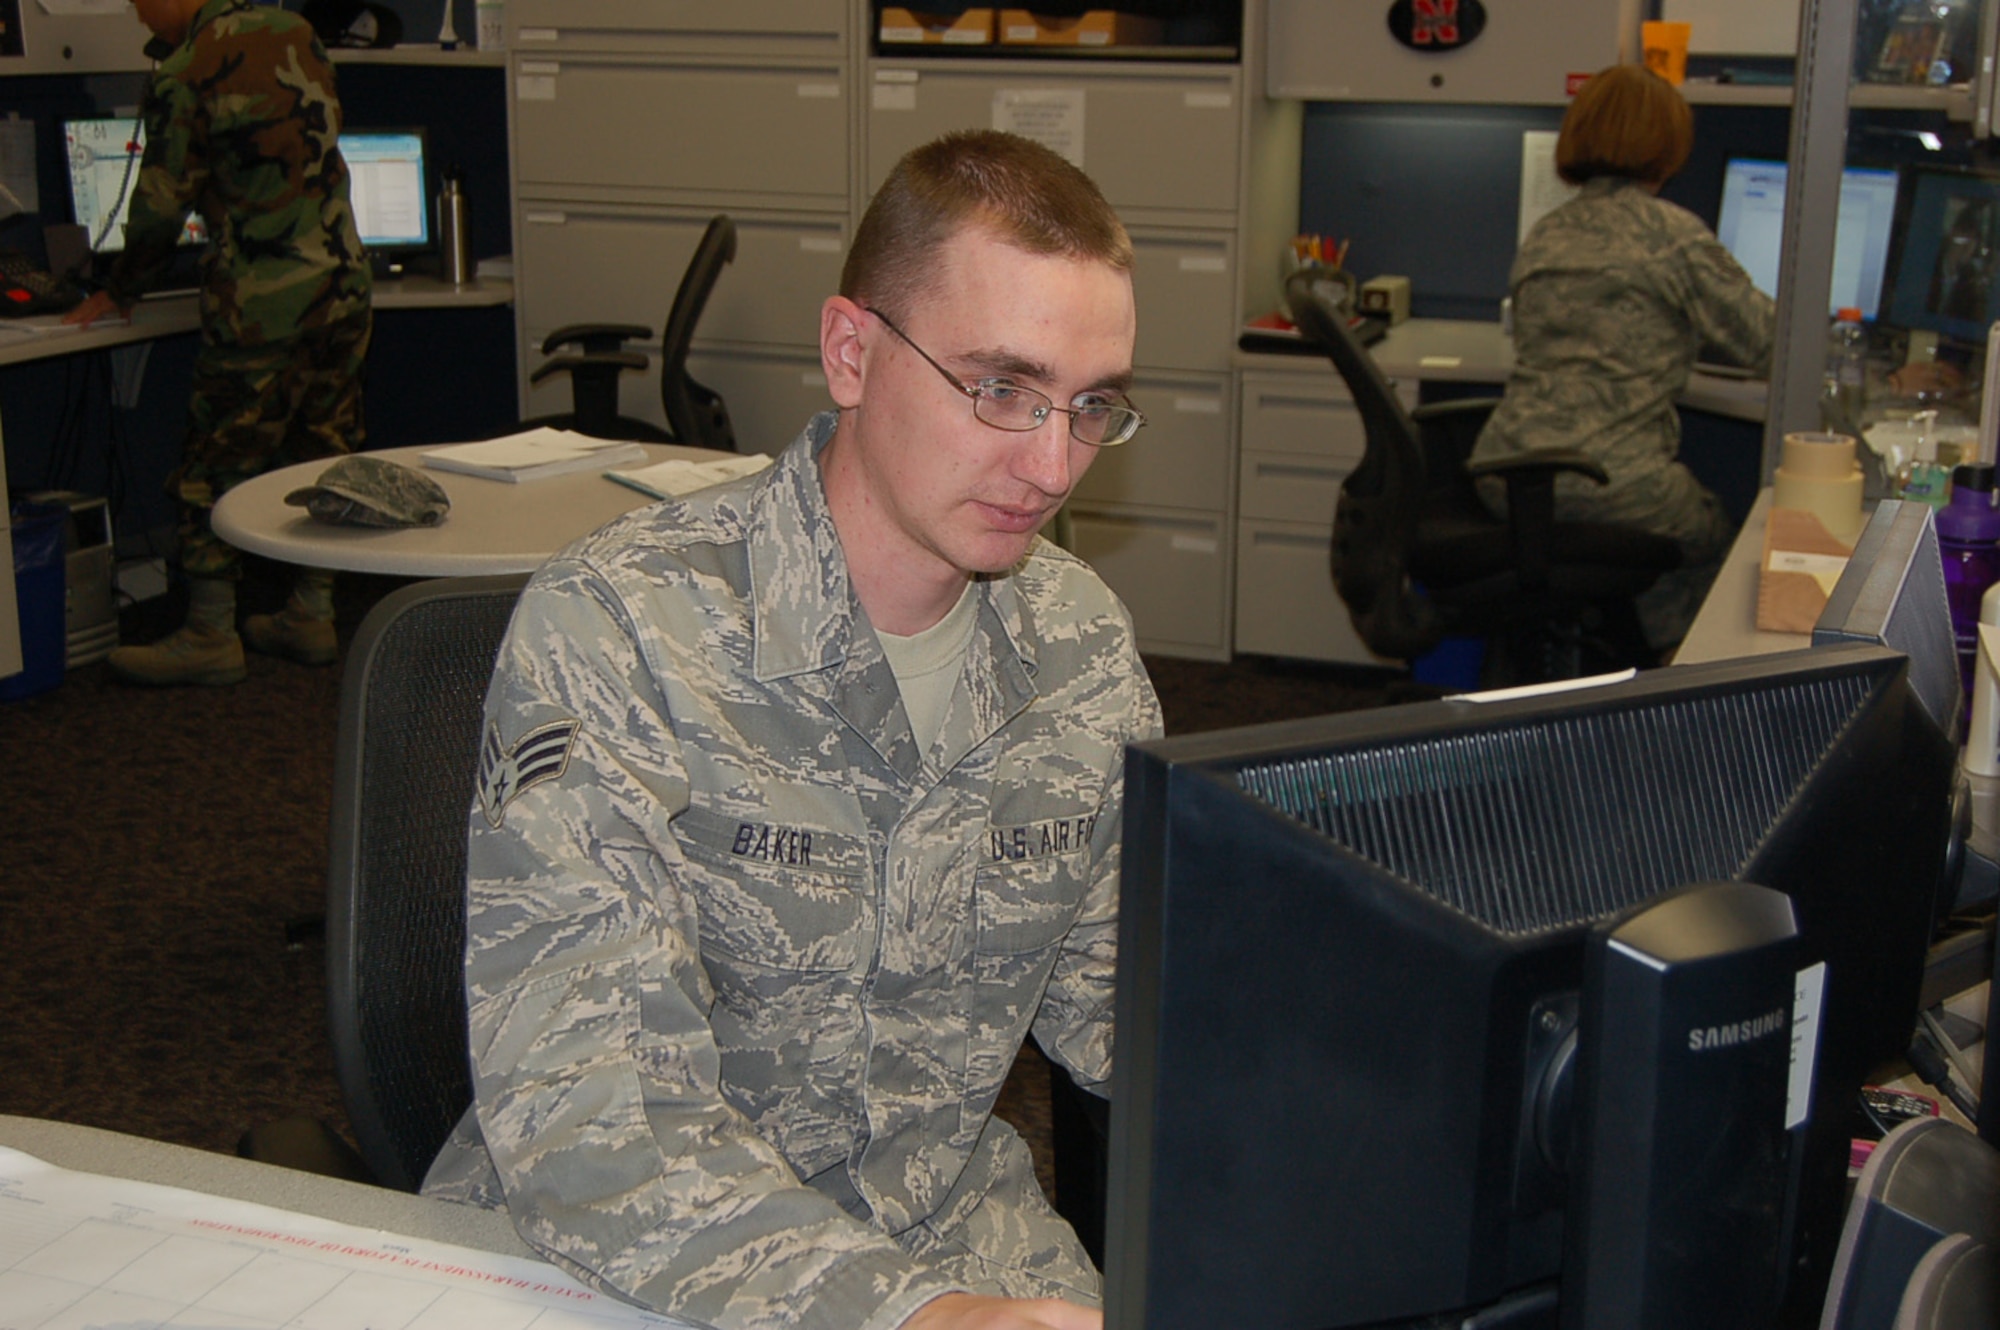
{"x": 1844, "y": 395}
{"x": 1968, "y": 530}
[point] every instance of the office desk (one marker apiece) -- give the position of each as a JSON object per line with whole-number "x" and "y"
{"x": 495, "y": 526}
{"x": 87, "y": 1149}
{"x": 1726, "y": 625}
{"x": 46, "y": 337}
{"x": 43, "y": 336}
{"x": 1475, "y": 351}
{"x": 94, "y": 1250}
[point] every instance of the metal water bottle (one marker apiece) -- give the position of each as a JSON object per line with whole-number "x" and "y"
{"x": 454, "y": 228}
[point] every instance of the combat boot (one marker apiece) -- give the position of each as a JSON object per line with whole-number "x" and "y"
{"x": 196, "y": 653}
{"x": 292, "y": 636}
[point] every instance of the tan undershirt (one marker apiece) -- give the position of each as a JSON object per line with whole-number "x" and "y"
{"x": 927, "y": 666}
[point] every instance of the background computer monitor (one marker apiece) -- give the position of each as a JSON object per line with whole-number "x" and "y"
{"x": 389, "y": 184}
{"x": 1752, "y": 226}
{"x": 1351, "y": 949}
{"x": 1947, "y": 266}
{"x": 103, "y": 164}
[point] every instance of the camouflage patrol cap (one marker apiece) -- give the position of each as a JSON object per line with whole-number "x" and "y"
{"x": 373, "y": 491}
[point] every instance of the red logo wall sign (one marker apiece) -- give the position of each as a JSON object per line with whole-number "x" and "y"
{"x": 1436, "y": 25}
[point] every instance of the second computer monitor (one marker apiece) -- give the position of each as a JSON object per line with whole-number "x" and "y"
{"x": 388, "y": 181}
{"x": 103, "y": 159}
{"x": 1948, "y": 266}
{"x": 1752, "y": 227}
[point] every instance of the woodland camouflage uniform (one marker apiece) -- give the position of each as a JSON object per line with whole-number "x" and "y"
{"x": 1615, "y": 295}
{"x": 241, "y": 122}
{"x": 746, "y": 969}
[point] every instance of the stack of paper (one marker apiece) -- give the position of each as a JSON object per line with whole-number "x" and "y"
{"x": 534, "y": 455}
{"x": 675, "y": 476}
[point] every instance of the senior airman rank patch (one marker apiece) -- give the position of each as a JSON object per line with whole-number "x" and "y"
{"x": 538, "y": 755}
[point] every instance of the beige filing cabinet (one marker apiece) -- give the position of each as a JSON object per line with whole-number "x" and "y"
{"x": 1301, "y": 435}
{"x": 635, "y": 121}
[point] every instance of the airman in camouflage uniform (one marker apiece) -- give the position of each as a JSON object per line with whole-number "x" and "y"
{"x": 241, "y": 122}
{"x": 1615, "y": 294}
{"x": 748, "y": 959}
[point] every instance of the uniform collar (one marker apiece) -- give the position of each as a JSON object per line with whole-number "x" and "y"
{"x": 807, "y": 619}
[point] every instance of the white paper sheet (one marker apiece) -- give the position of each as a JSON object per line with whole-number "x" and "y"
{"x": 80, "y": 1250}
{"x": 1542, "y": 190}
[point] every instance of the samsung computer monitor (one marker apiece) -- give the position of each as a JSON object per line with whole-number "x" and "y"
{"x": 389, "y": 185}
{"x": 103, "y": 158}
{"x": 1752, "y": 227}
{"x": 1946, "y": 276}
{"x": 1361, "y": 962}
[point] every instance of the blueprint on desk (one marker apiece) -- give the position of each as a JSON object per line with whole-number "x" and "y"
{"x": 79, "y": 1251}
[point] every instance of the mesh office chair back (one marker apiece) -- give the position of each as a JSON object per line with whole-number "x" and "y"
{"x": 407, "y": 761}
{"x": 696, "y": 415}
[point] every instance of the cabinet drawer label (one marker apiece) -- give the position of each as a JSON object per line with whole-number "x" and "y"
{"x": 820, "y": 91}
{"x": 1199, "y": 406}
{"x": 1207, "y": 101}
{"x": 813, "y": 378}
{"x": 535, "y": 34}
{"x": 545, "y": 218}
{"x": 820, "y": 244}
{"x": 1203, "y": 263}
{"x": 894, "y": 97}
{"x": 1052, "y": 117}
{"x": 1193, "y": 544}
{"x": 535, "y": 87}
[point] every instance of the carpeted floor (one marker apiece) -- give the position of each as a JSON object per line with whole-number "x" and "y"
{"x": 158, "y": 842}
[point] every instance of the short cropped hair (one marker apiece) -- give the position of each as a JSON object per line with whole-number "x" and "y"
{"x": 1027, "y": 194}
{"x": 1626, "y": 121}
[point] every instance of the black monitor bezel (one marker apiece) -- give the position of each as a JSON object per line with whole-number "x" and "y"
{"x": 1910, "y": 247}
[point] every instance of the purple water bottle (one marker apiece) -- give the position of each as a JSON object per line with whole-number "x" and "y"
{"x": 1968, "y": 530}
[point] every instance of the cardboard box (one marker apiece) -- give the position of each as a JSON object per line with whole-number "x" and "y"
{"x": 1096, "y": 27}
{"x": 1802, "y": 561}
{"x": 914, "y": 27}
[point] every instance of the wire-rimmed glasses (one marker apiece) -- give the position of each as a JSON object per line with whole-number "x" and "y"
{"x": 1103, "y": 419}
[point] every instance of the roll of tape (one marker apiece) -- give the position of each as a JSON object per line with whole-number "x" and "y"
{"x": 1819, "y": 474}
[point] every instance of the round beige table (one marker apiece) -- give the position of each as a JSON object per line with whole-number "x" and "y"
{"x": 495, "y": 526}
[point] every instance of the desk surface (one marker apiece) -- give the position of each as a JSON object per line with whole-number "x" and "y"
{"x": 1726, "y": 625}
{"x": 86, "y": 1149}
{"x": 42, "y": 336}
{"x": 495, "y": 526}
{"x": 1474, "y": 351}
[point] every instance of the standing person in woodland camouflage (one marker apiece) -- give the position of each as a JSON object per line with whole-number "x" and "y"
{"x": 241, "y": 122}
{"x": 800, "y": 808}
{"x": 1615, "y": 294}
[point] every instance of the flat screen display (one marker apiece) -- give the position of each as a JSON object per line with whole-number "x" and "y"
{"x": 1947, "y": 275}
{"x": 1752, "y": 227}
{"x": 387, "y": 183}
{"x": 103, "y": 156}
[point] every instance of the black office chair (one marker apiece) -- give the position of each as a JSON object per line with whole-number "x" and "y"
{"x": 411, "y": 701}
{"x": 1418, "y": 558}
{"x": 696, "y": 415}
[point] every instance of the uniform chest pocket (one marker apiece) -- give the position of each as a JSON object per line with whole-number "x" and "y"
{"x": 1026, "y": 906}
{"x": 777, "y": 899}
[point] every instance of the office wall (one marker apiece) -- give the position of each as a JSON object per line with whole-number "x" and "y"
{"x": 1433, "y": 192}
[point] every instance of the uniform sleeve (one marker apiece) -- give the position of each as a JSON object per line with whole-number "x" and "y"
{"x": 1074, "y": 1025}
{"x": 1730, "y": 314}
{"x": 596, "y": 1073}
{"x": 172, "y": 174}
